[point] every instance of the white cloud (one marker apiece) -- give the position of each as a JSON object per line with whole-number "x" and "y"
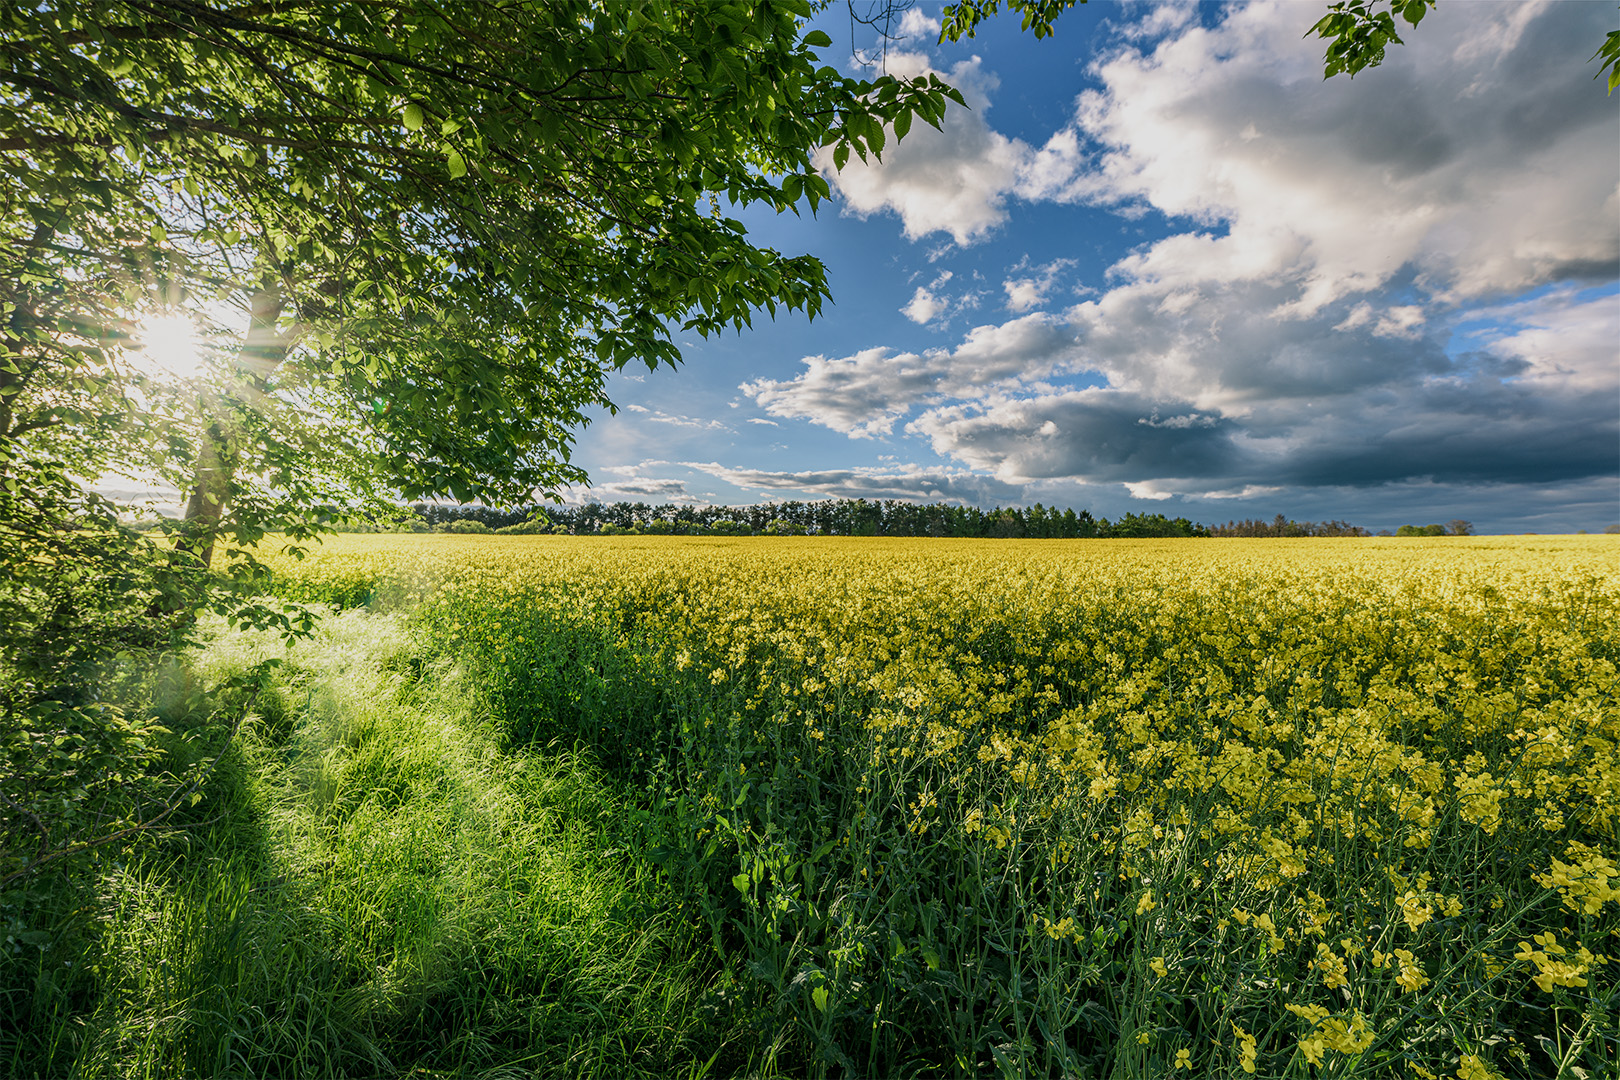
{"x": 864, "y": 394}
{"x": 923, "y": 306}
{"x": 1030, "y": 291}
{"x": 633, "y": 485}
{"x": 918, "y": 24}
{"x": 1379, "y": 285}
{"x": 658, "y": 416}
{"x": 1477, "y": 155}
{"x": 931, "y": 304}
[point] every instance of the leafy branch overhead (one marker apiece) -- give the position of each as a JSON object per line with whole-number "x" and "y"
{"x": 447, "y": 223}
{"x": 1358, "y": 32}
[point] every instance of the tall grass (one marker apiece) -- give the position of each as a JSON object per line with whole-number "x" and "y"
{"x": 371, "y": 887}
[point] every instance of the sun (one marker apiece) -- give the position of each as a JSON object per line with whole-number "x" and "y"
{"x": 170, "y": 344}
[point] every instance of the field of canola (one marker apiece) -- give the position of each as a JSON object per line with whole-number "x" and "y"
{"x": 1090, "y": 808}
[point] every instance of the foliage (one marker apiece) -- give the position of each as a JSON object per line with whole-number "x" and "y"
{"x": 440, "y": 227}
{"x": 1609, "y": 53}
{"x": 1359, "y": 32}
{"x": 538, "y": 523}
{"x": 1065, "y": 809}
{"x": 962, "y": 19}
{"x": 448, "y": 222}
{"x": 1284, "y": 526}
{"x": 367, "y": 889}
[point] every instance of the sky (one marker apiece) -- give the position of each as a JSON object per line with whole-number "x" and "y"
{"x": 1160, "y": 265}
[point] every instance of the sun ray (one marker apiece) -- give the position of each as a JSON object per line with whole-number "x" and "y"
{"x": 171, "y": 345}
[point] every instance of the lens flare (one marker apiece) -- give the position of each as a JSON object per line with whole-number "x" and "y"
{"x": 170, "y": 345}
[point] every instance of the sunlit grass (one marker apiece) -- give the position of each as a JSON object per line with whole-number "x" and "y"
{"x": 380, "y": 890}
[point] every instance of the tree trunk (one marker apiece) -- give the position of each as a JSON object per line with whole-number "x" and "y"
{"x": 262, "y": 353}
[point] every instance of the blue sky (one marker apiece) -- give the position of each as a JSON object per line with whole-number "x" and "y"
{"x": 1160, "y": 265}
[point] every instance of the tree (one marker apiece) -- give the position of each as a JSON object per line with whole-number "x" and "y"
{"x": 443, "y": 225}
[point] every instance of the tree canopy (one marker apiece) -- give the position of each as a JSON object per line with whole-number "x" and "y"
{"x": 442, "y": 223}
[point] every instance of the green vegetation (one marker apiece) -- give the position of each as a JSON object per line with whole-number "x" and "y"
{"x": 369, "y": 886}
{"x": 874, "y": 807}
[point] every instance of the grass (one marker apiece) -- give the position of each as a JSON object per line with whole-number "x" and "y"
{"x": 376, "y": 889}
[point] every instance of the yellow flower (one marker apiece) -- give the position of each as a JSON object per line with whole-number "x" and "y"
{"x": 1156, "y": 965}
{"x": 1184, "y": 1059}
{"x": 1145, "y": 904}
{"x": 1332, "y": 967}
{"x": 1247, "y": 1048}
{"x": 1411, "y": 977}
{"x": 1414, "y": 910}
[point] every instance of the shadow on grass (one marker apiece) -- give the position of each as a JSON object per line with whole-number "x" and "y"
{"x": 371, "y": 887}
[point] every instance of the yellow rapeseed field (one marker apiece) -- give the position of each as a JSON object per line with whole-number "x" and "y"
{"x": 1222, "y": 807}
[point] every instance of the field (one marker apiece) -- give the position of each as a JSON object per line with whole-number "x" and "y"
{"x": 864, "y": 807}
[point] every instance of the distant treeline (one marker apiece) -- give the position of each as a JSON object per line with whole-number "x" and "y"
{"x": 1282, "y": 526}
{"x": 825, "y": 517}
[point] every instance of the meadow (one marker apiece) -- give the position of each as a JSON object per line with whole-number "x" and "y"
{"x": 558, "y": 805}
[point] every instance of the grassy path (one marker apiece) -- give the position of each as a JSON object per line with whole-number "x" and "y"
{"x": 380, "y": 889}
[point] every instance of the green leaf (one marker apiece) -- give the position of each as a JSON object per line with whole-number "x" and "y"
{"x": 456, "y": 164}
{"x": 819, "y": 996}
{"x": 817, "y": 39}
{"x": 902, "y": 124}
{"x": 413, "y": 117}
{"x": 742, "y": 881}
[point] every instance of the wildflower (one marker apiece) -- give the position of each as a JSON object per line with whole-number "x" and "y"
{"x": 1411, "y": 977}
{"x": 1414, "y": 910}
{"x": 1156, "y": 965}
{"x": 1184, "y": 1059}
{"x": 1332, "y": 967}
{"x": 1145, "y": 904}
{"x": 1248, "y": 1051}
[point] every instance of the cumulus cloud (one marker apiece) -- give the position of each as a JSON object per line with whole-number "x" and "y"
{"x": 1302, "y": 402}
{"x": 1094, "y": 434}
{"x": 1031, "y": 290}
{"x": 919, "y": 25}
{"x": 1379, "y": 282}
{"x": 864, "y": 394}
{"x": 632, "y": 486}
{"x": 1477, "y": 155}
{"x": 923, "y": 306}
{"x": 932, "y": 304}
